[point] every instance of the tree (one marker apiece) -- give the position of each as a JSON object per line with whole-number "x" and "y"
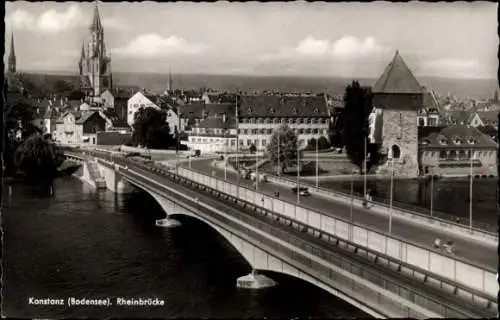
{"x": 38, "y": 159}
{"x": 18, "y": 125}
{"x": 358, "y": 105}
{"x": 335, "y": 130}
{"x": 151, "y": 129}
{"x": 284, "y": 141}
{"x": 62, "y": 86}
{"x": 252, "y": 148}
{"x": 323, "y": 143}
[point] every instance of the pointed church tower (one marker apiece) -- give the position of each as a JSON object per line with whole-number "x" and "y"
{"x": 94, "y": 65}
{"x": 11, "y": 64}
{"x": 400, "y": 96}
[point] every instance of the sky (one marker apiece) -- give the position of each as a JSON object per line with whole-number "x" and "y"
{"x": 453, "y": 40}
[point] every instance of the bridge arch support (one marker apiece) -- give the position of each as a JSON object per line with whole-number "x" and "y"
{"x": 258, "y": 259}
{"x": 115, "y": 182}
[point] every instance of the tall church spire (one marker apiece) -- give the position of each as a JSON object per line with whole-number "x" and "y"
{"x": 96, "y": 21}
{"x": 12, "y": 56}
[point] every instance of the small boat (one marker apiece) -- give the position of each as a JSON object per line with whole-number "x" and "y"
{"x": 167, "y": 223}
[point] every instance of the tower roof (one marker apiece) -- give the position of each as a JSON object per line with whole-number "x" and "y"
{"x": 397, "y": 78}
{"x": 12, "y": 51}
{"x": 96, "y": 21}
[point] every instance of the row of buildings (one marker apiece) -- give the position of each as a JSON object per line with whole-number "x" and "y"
{"x": 417, "y": 133}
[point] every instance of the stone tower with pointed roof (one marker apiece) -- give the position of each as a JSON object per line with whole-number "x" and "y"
{"x": 11, "y": 64}
{"x": 94, "y": 64}
{"x": 400, "y": 96}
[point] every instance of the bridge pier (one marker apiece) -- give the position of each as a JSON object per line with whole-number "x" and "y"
{"x": 168, "y": 222}
{"x": 254, "y": 280}
{"x": 114, "y": 180}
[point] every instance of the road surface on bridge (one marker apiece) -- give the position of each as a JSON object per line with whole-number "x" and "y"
{"x": 470, "y": 250}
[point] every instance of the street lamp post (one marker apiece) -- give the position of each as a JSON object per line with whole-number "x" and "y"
{"x": 298, "y": 174}
{"x": 391, "y": 195}
{"x": 257, "y": 158}
{"x": 317, "y": 165}
{"x": 279, "y": 154}
{"x": 364, "y": 169}
{"x": 352, "y": 193}
{"x": 470, "y": 193}
{"x": 237, "y": 149}
{"x": 225, "y": 155}
{"x": 432, "y": 191}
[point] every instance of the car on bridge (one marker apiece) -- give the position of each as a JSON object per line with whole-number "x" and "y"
{"x": 262, "y": 177}
{"x": 303, "y": 191}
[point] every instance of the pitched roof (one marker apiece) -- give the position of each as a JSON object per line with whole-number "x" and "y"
{"x": 86, "y": 116}
{"x": 460, "y": 116}
{"x": 282, "y": 106}
{"x": 432, "y": 137}
{"x": 217, "y": 122}
{"x": 397, "y": 78}
{"x": 200, "y": 109}
{"x": 488, "y": 116}
{"x": 116, "y": 122}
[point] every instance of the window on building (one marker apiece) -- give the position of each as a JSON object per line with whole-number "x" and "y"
{"x": 301, "y": 131}
{"x": 315, "y": 131}
{"x": 233, "y": 143}
{"x": 314, "y": 121}
{"x": 461, "y": 155}
{"x": 264, "y": 142}
{"x": 255, "y": 131}
{"x": 241, "y": 142}
{"x": 263, "y": 131}
{"x": 301, "y": 120}
{"x": 249, "y": 142}
{"x": 453, "y": 154}
{"x": 421, "y": 122}
{"x": 396, "y": 152}
{"x": 290, "y": 121}
{"x": 259, "y": 120}
{"x": 301, "y": 142}
{"x": 308, "y": 131}
{"x": 251, "y": 120}
{"x": 269, "y": 131}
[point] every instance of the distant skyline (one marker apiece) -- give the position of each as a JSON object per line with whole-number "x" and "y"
{"x": 350, "y": 40}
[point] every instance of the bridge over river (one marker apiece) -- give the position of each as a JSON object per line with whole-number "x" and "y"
{"x": 384, "y": 275}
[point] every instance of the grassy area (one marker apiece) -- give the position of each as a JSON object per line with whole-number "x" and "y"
{"x": 309, "y": 168}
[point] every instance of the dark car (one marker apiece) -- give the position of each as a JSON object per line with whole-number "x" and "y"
{"x": 197, "y": 153}
{"x": 132, "y": 154}
{"x": 303, "y": 191}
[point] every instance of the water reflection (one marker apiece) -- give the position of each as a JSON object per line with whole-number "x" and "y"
{"x": 449, "y": 196}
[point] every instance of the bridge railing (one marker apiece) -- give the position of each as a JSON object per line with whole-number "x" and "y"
{"x": 346, "y": 264}
{"x": 453, "y": 268}
{"x": 383, "y": 208}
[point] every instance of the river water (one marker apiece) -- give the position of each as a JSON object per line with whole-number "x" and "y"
{"x": 449, "y": 196}
{"x": 75, "y": 242}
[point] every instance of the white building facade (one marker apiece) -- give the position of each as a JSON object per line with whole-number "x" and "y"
{"x": 259, "y": 116}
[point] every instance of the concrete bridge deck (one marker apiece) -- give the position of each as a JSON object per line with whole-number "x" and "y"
{"x": 472, "y": 251}
{"x": 320, "y": 247}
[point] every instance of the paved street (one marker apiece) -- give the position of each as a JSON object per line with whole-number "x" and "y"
{"x": 470, "y": 250}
